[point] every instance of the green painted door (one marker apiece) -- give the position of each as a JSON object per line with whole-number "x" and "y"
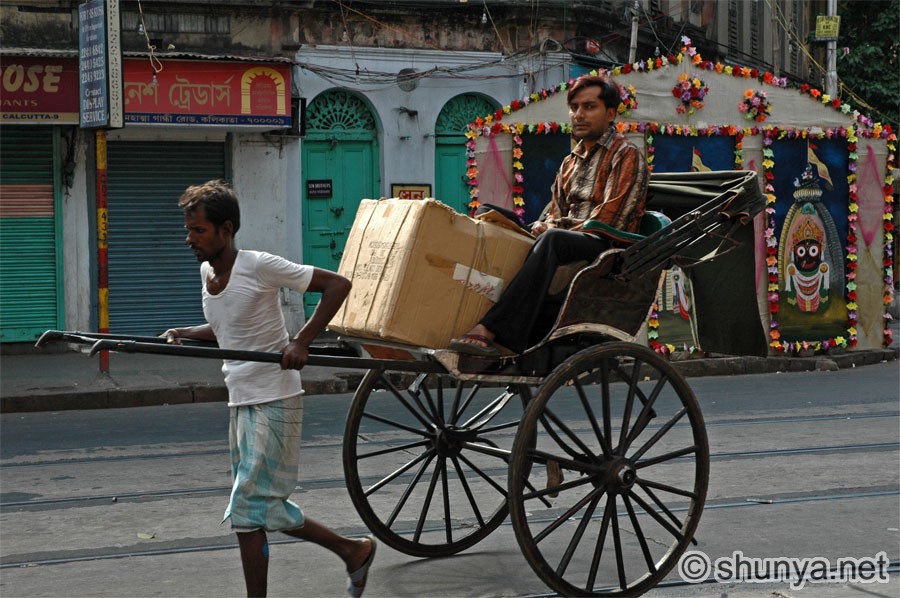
{"x": 345, "y": 171}
{"x": 450, "y": 172}
{"x": 340, "y": 169}
{"x": 450, "y": 181}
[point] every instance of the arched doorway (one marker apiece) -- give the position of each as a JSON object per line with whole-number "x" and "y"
{"x": 450, "y": 150}
{"x": 340, "y": 168}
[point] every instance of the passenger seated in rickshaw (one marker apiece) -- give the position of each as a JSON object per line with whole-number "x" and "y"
{"x": 604, "y": 178}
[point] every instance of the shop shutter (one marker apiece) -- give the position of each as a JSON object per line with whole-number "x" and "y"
{"x": 154, "y": 279}
{"x": 30, "y": 259}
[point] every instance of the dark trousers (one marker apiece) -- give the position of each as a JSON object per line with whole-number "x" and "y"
{"x": 521, "y": 317}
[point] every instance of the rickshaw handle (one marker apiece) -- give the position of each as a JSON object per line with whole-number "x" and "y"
{"x": 122, "y": 346}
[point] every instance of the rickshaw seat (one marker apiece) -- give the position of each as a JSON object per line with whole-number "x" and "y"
{"x": 650, "y": 223}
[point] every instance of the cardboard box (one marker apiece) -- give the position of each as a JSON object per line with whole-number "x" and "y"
{"x": 423, "y": 273}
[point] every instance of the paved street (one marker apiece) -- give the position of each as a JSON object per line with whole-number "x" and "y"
{"x": 128, "y": 502}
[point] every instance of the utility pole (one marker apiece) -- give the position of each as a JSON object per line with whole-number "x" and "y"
{"x": 831, "y": 78}
{"x": 632, "y": 52}
{"x": 776, "y": 43}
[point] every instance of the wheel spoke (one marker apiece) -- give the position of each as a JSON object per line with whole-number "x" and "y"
{"x": 483, "y": 475}
{"x": 617, "y": 543}
{"x": 409, "y": 488}
{"x": 444, "y": 487}
{"x": 457, "y": 413}
{"x": 468, "y": 491}
{"x": 647, "y": 412}
{"x": 416, "y": 396}
{"x": 398, "y": 472}
{"x": 636, "y": 526}
{"x": 590, "y": 496}
{"x": 498, "y": 427}
{"x": 535, "y": 494}
{"x": 393, "y": 449}
{"x": 399, "y": 396}
{"x": 644, "y": 483}
{"x": 581, "y": 481}
{"x": 577, "y": 536}
{"x": 659, "y": 434}
{"x": 666, "y": 457}
{"x": 652, "y": 512}
{"x": 568, "y": 432}
{"x": 629, "y": 403}
{"x": 426, "y": 504}
{"x": 662, "y": 507}
{"x": 397, "y": 424}
{"x": 601, "y": 541}
{"x": 420, "y": 389}
{"x": 604, "y": 441}
{"x": 488, "y": 412}
{"x": 607, "y": 413}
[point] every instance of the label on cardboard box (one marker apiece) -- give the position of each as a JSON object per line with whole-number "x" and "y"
{"x": 483, "y": 284}
{"x": 422, "y": 273}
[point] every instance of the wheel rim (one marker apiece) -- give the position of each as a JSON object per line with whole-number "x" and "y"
{"x": 426, "y": 465}
{"x": 634, "y": 460}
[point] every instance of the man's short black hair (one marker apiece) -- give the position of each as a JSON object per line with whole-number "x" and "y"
{"x": 218, "y": 200}
{"x": 609, "y": 91}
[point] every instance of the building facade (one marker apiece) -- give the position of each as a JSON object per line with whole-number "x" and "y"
{"x": 307, "y": 107}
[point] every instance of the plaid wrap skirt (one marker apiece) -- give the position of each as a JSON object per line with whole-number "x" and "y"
{"x": 265, "y": 459}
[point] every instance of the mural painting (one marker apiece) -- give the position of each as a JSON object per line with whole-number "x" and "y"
{"x": 673, "y": 321}
{"x": 811, "y": 227}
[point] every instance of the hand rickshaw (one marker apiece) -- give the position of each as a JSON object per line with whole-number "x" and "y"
{"x": 593, "y": 444}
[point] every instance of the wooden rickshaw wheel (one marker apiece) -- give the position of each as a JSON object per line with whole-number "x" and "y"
{"x": 634, "y": 458}
{"x": 426, "y": 463}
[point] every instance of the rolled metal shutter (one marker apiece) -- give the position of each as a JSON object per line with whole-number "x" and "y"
{"x": 31, "y": 295}
{"x": 154, "y": 279}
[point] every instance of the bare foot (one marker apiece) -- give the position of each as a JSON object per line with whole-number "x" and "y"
{"x": 358, "y": 566}
{"x": 360, "y": 555}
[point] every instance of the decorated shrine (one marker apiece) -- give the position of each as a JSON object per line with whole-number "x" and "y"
{"x": 824, "y": 245}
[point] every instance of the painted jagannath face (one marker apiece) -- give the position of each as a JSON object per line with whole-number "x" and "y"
{"x": 808, "y": 255}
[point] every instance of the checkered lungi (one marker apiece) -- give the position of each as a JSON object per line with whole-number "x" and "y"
{"x": 265, "y": 456}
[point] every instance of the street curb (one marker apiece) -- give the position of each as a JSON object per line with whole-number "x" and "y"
{"x": 347, "y": 381}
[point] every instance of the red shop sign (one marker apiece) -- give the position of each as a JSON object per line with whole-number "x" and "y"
{"x": 218, "y": 93}
{"x": 38, "y": 90}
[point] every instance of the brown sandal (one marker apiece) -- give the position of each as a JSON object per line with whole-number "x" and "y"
{"x": 483, "y": 346}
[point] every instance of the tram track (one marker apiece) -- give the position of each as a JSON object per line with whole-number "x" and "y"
{"x": 770, "y": 470}
{"x": 228, "y": 544}
{"x": 338, "y": 445}
{"x": 335, "y": 482}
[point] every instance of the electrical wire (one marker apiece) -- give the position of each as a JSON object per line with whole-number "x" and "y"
{"x": 339, "y": 76}
{"x": 384, "y": 25}
{"x": 494, "y": 25}
{"x": 347, "y": 34}
{"x": 781, "y": 18}
{"x": 155, "y": 64}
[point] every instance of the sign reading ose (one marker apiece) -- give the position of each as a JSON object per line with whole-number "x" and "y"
{"x": 44, "y": 90}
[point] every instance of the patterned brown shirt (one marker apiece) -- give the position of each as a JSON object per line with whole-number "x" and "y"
{"x": 606, "y": 183}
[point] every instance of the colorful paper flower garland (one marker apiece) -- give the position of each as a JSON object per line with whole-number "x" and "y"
{"x": 629, "y": 101}
{"x": 888, "y": 217}
{"x": 755, "y": 105}
{"x": 691, "y": 91}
